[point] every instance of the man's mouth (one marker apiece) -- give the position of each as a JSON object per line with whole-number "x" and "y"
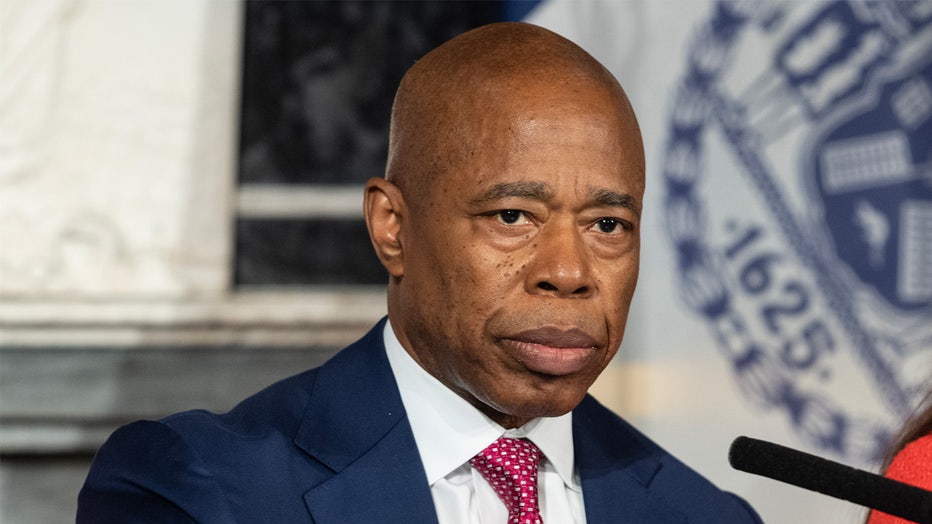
{"x": 553, "y": 351}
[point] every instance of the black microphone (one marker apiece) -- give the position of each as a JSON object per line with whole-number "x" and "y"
{"x": 831, "y": 478}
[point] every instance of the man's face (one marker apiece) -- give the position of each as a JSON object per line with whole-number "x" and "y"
{"x": 520, "y": 264}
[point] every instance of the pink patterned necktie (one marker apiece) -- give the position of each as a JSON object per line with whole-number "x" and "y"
{"x": 510, "y": 467}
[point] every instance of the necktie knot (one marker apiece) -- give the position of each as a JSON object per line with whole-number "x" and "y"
{"x": 509, "y": 465}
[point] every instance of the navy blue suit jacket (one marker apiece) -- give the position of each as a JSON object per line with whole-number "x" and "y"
{"x": 333, "y": 445}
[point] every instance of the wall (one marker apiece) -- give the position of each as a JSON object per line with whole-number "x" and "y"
{"x": 118, "y": 135}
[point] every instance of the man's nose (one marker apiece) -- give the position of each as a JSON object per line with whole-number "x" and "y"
{"x": 561, "y": 265}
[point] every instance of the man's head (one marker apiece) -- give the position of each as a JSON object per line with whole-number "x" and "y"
{"x": 509, "y": 218}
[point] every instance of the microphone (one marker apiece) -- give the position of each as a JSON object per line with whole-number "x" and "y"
{"x": 831, "y": 478}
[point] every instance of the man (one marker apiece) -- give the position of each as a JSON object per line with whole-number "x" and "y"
{"x": 508, "y": 222}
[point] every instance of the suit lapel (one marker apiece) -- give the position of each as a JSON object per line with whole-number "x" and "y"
{"x": 386, "y": 484}
{"x": 617, "y": 471}
{"x": 355, "y": 425}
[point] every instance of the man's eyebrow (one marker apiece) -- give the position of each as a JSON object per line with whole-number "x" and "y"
{"x": 532, "y": 190}
{"x": 606, "y": 197}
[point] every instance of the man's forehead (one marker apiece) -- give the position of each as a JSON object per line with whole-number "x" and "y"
{"x": 467, "y": 101}
{"x": 542, "y": 191}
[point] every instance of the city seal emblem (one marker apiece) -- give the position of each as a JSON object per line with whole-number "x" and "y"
{"x": 797, "y": 189}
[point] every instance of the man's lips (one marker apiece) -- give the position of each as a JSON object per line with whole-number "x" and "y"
{"x": 553, "y": 351}
{"x": 555, "y": 337}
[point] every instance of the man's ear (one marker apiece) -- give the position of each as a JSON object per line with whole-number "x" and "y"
{"x": 384, "y": 208}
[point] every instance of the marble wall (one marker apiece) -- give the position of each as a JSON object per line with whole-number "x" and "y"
{"x": 117, "y": 158}
{"x": 117, "y": 133}
{"x": 180, "y": 208}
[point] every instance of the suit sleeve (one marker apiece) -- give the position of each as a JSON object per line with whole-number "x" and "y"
{"x": 145, "y": 472}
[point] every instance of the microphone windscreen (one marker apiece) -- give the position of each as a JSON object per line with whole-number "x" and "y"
{"x": 831, "y": 478}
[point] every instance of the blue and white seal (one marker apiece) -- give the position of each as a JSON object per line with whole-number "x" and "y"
{"x": 798, "y": 199}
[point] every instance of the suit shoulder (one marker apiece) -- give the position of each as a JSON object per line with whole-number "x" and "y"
{"x": 612, "y": 443}
{"x": 189, "y": 466}
{"x": 145, "y": 472}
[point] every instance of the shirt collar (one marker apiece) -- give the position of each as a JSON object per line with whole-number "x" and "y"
{"x": 449, "y": 430}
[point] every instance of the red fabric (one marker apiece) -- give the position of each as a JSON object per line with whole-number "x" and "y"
{"x": 510, "y": 467}
{"x": 912, "y": 465}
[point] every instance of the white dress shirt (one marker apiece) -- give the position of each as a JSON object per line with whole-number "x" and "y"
{"x": 449, "y": 431}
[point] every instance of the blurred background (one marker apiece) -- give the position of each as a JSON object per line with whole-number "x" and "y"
{"x": 180, "y": 216}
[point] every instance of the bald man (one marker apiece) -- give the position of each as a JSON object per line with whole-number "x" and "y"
{"x": 508, "y": 222}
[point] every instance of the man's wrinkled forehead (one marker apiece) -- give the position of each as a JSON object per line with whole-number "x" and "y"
{"x": 540, "y": 191}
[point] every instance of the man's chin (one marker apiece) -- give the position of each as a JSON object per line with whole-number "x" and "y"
{"x": 536, "y": 407}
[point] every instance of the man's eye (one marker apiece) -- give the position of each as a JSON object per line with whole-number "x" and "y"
{"x": 510, "y": 216}
{"x": 609, "y": 225}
